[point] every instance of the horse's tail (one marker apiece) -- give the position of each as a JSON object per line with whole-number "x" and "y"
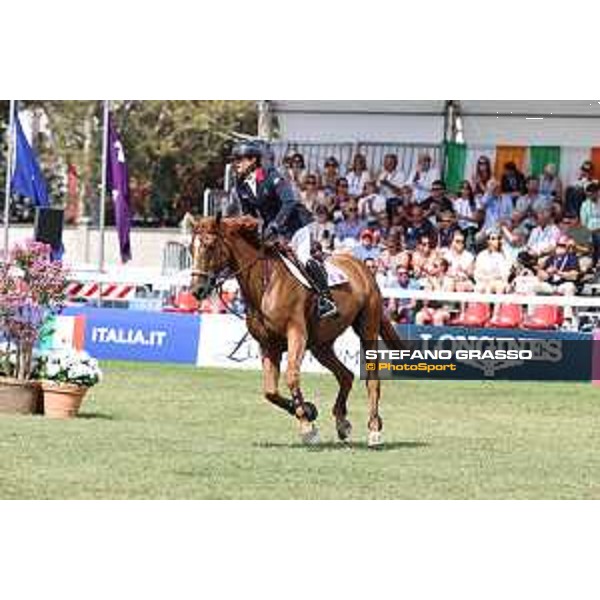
{"x": 388, "y": 333}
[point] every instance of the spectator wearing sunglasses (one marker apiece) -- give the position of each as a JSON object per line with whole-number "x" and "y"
{"x": 350, "y": 225}
{"x": 393, "y": 254}
{"x": 492, "y": 266}
{"x": 340, "y": 199}
{"x": 357, "y": 176}
{"x": 424, "y": 257}
{"x": 401, "y": 310}
{"x": 447, "y": 227}
{"x": 330, "y": 176}
{"x": 560, "y": 270}
{"x": 483, "y": 174}
{"x": 469, "y": 213}
{"x": 543, "y": 238}
{"x": 532, "y": 202}
{"x": 311, "y": 196}
{"x": 437, "y": 280}
{"x": 322, "y": 229}
{"x": 417, "y": 227}
{"x": 391, "y": 178}
{"x": 460, "y": 263}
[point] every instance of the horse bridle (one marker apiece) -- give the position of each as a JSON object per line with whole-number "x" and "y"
{"x": 215, "y": 282}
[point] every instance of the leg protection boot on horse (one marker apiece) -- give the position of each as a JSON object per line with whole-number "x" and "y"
{"x": 318, "y": 275}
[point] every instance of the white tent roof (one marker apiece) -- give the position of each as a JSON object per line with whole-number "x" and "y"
{"x": 485, "y": 122}
{"x": 531, "y": 122}
{"x": 531, "y": 108}
{"x": 361, "y": 120}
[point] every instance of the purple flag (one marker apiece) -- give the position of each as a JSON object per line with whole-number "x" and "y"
{"x": 117, "y": 179}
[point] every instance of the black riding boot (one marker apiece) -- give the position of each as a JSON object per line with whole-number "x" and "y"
{"x": 318, "y": 275}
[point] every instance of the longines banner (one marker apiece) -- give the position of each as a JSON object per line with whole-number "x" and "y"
{"x": 225, "y": 342}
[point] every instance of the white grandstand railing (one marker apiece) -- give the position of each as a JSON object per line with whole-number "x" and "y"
{"x": 181, "y": 279}
{"x": 472, "y": 297}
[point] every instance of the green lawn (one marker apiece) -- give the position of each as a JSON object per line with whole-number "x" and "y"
{"x": 164, "y": 431}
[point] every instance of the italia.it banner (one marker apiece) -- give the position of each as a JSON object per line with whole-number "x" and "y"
{"x": 461, "y": 161}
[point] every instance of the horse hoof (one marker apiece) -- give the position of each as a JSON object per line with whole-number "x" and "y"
{"x": 310, "y": 437}
{"x": 375, "y": 439}
{"x": 344, "y": 430}
{"x": 310, "y": 411}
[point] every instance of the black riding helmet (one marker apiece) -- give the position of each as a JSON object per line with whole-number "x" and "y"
{"x": 248, "y": 149}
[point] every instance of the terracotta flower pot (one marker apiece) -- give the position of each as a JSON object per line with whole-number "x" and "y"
{"x": 62, "y": 400}
{"x": 20, "y": 397}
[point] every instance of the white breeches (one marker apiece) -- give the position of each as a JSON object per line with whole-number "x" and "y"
{"x": 301, "y": 244}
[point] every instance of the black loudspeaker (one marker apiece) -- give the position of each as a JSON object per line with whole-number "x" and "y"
{"x": 48, "y": 226}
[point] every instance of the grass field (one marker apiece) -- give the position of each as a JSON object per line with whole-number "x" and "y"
{"x": 164, "y": 431}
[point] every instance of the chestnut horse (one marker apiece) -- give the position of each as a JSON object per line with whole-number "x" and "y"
{"x": 281, "y": 316}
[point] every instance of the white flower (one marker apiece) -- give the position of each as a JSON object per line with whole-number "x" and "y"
{"x": 71, "y": 366}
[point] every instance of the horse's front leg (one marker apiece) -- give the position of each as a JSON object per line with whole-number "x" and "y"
{"x": 306, "y": 412}
{"x": 271, "y": 362}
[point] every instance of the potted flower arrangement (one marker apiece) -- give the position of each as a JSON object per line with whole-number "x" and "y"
{"x": 66, "y": 375}
{"x": 32, "y": 288}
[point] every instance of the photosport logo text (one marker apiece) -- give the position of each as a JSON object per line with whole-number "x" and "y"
{"x": 477, "y": 358}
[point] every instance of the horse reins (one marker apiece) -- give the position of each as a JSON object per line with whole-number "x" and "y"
{"x": 219, "y": 281}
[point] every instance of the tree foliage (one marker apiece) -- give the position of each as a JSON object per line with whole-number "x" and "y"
{"x": 174, "y": 150}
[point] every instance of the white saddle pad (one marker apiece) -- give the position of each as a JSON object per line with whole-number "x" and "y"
{"x": 335, "y": 276}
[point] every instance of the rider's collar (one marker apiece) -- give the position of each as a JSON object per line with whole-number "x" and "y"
{"x": 251, "y": 181}
{"x": 255, "y": 178}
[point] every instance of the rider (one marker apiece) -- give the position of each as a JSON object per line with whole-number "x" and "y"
{"x": 264, "y": 192}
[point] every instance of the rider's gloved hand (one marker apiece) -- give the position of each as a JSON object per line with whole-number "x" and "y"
{"x": 271, "y": 231}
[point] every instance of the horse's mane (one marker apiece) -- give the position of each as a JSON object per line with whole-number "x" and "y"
{"x": 246, "y": 227}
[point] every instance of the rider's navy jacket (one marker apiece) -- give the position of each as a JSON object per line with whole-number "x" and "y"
{"x": 274, "y": 201}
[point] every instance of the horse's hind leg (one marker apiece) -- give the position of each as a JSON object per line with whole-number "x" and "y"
{"x": 326, "y": 356}
{"x": 367, "y": 328}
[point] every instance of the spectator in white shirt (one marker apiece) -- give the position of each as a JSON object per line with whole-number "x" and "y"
{"x": 311, "y": 195}
{"x": 492, "y": 267}
{"x": 371, "y": 204}
{"x": 357, "y": 176}
{"x": 422, "y": 177}
{"x": 468, "y": 210}
{"x": 543, "y": 238}
{"x": 322, "y": 229}
{"x": 392, "y": 177}
{"x": 460, "y": 263}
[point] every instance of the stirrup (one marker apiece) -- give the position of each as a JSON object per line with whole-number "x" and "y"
{"x": 327, "y": 308}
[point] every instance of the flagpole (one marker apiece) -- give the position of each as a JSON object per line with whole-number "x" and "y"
{"x": 105, "y": 110}
{"x": 10, "y": 146}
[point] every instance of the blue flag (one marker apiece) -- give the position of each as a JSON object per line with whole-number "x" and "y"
{"x": 27, "y": 178}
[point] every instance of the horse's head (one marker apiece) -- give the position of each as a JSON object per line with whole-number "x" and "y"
{"x": 212, "y": 255}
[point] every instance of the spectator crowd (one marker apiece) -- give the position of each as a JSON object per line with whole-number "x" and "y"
{"x": 509, "y": 233}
